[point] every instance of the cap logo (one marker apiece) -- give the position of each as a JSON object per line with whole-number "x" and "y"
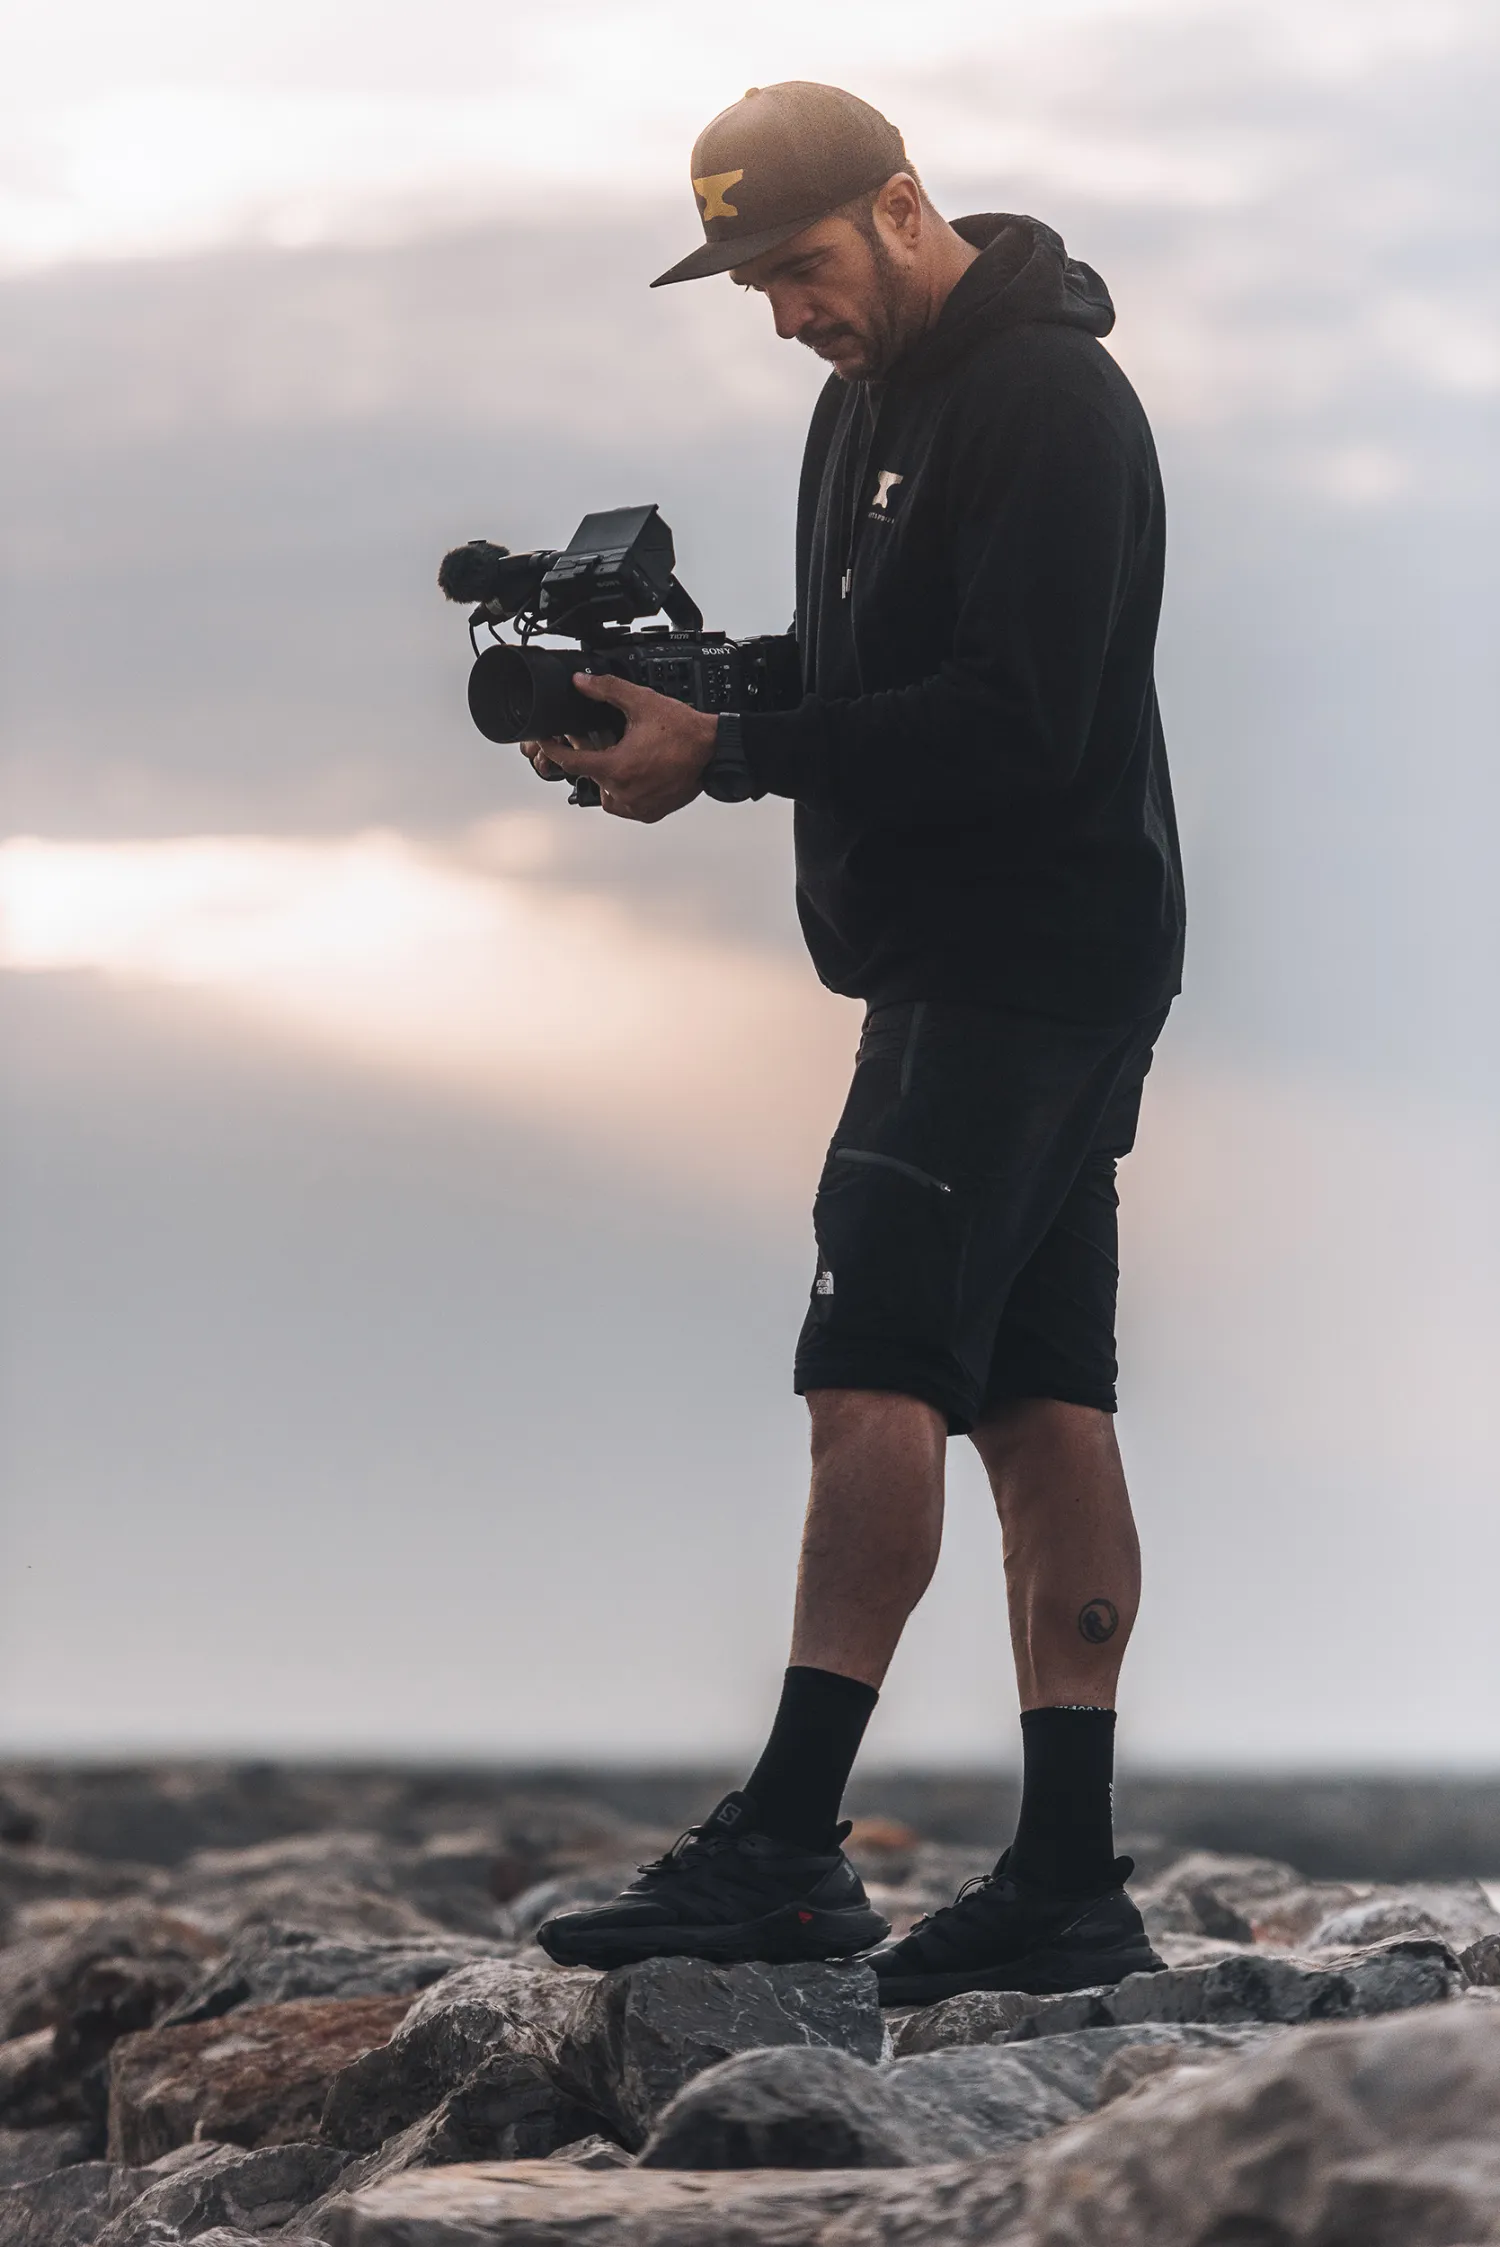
{"x": 713, "y": 190}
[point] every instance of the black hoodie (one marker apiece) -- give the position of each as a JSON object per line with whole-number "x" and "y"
{"x": 983, "y": 807}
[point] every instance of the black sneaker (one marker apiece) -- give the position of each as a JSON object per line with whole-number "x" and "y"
{"x": 1003, "y": 1934}
{"x": 727, "y": 1893}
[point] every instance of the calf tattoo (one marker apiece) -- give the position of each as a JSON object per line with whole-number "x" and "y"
{"x": 1099, "y": 1621}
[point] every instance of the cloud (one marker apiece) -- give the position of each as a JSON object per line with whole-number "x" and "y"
{"x": 700, "y": 1064}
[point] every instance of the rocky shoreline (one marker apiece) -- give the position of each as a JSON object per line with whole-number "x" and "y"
{"x": 267, "y": 2002}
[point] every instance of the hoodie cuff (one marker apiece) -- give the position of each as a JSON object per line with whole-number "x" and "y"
{"x": 779, "y": 748}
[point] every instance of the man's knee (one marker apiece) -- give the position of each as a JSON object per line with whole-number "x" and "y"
{"x": 1030, "y": 1426}
{"x": 841, "y": 1416}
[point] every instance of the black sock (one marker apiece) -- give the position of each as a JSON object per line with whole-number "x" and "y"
{"x": 1064, "y": 1835}
{"x": 799, "y": 1782}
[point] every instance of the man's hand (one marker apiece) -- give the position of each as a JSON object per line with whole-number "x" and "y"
{"x": 655, "y": 767}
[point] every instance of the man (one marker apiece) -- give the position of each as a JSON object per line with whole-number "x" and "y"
{"x": 987, "y": 856}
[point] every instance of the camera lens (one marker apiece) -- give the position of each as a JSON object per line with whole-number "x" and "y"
{"x": 527, "y": 694}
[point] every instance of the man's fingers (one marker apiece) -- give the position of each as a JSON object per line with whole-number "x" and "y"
{"x": 603, "y": 686}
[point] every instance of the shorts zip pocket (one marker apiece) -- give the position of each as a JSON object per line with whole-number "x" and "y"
{"x": 890, "y": 1162}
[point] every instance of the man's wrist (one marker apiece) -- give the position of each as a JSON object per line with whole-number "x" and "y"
{"x": 726, "y": 776}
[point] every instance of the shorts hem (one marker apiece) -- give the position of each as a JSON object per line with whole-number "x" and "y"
{"x": 1056, "y": 1392}
{"x": 957, "y": 1406}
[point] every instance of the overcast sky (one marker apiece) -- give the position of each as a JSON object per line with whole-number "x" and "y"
{"x": 406, "y": 1177}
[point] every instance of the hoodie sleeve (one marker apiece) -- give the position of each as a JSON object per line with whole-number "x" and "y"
{"x": 1045, "y": 514}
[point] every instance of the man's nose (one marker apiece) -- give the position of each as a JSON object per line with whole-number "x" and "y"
{"x": 792, "y": 314}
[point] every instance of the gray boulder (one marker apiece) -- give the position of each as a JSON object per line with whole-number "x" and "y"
{"x": 25, "y": 2154}
{"x": 1390, "y": 1978}
{"x": 1481, "y": 1962}
{"x": 807, "y": 2109}
{"x": 1380, "y": 2133}
{"x": 509, "y": 2109}
{"x": 593, "y": 2153}
{"x": 635, "y": 2036}
{"x": 967, "y": 2204}
{"x": 1457, "y": 1912}
{"x": 255, "y": 2192}
{"x": 491, "y": 2007}
{"x": 266, "y": 1965}
{"x": 975, "y": 2017}
{"x": 66, "y": 2208}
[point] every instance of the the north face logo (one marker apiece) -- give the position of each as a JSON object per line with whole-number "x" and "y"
{"x": 823, "y": 1284}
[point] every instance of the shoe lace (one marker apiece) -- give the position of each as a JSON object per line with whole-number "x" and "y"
{"x": 947, "y": 1911}
{"x": 689, "y": 1849}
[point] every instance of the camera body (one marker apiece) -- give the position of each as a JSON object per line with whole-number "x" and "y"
{"x": 618, "y": 566}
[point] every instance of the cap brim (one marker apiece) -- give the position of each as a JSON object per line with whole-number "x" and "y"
{"x": 718, "y": 257}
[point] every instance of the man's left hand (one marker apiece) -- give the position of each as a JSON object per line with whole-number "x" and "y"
{"x": 658, "y": 763}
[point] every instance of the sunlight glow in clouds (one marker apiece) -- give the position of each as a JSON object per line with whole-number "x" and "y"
{"x": 162, "y": 129}
{"x": 704, "y": 1060}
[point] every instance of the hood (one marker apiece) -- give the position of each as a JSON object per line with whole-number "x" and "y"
{"x": 1022, "y": 274}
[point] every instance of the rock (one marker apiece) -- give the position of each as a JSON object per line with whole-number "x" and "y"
{"x": 28, "y": 1875}
{"x": 1458, "y": 1912}
{"x": 1390, "y": 1978}
{"x": 452, "y": 2029}
{"x": 800, "y": 2108}
{"x": 1481, "y": 1961}
{"x": 792, "y": 2108}
{"x": 509, "y": 2109}
{"x": 1204, "y": 1893}
{"x": 1288, "y": 1921}
{"x": 33, "y": 2090}
{"x": 976, "y": 2017}
{"x": 268, "y": 1965}
{"x": 115, "y": 1972}
{"x": 636, "y": 2035}
{"x": 65, "y": 2208}
{"x": 25, "y": 2154}
{"x": 259, "y": 2078}
{"x": 533, "y": 2202}
{"x": 593, "y": 2153}
{"x": 1199, "y": 1950}
{"x": 1381, "y": 2133}
{"x": 254, "y": 2192}
{"x": 342, "y": 1883}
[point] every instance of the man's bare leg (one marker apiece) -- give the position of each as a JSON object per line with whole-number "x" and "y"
{"x": 1072, "y": 1558}
{"x": 874, "y": 1525}
{"x": 873, "y": 1530}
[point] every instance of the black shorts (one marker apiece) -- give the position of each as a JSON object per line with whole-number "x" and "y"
{"x": 966, "y": 1215}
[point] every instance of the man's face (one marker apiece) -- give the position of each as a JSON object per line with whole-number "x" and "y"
{"x": 839, "y": 292}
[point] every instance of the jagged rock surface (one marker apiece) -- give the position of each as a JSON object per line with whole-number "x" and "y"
{"x": 1380, "y": 2134}
{"x": 637, "y": 2035}
{"x": 970, "y": 2204}
{"x": 269, "y": 1965}
{"x": 258, "y": 2078}
{"x": 255, "y": 2192}
{"x": 807, "y": 2109}
{"x": 452, "y": 2029}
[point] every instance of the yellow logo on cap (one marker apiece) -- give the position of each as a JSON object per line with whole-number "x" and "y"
{"x": 713, "y": 189}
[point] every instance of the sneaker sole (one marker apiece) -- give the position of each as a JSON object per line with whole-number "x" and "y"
{"x": 1045, "y": 1973}
{"x": 787, "y": 1937}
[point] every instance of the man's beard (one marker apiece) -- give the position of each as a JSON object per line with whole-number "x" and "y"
{"x": 883, "y": 336}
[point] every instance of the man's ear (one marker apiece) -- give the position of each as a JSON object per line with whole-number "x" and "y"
{"x": 898, "y": 206}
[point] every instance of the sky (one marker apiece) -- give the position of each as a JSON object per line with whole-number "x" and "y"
{"x": 405, "y": 1177}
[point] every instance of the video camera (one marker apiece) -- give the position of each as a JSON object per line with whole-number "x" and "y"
{"x": 617, "y": 567}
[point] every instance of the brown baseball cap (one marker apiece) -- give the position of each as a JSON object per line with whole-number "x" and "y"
{"x": 777, "y": 161}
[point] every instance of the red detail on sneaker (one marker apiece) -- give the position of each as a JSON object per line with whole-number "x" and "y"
{"x": 806, "y": 1918}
